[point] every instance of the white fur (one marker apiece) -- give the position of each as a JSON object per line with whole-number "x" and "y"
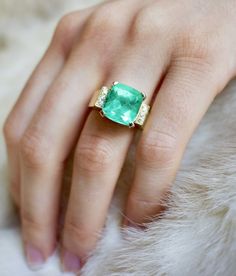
{"x": 196, "y": 236}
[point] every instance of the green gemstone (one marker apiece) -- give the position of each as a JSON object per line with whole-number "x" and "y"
{"x": 122, "y": 104}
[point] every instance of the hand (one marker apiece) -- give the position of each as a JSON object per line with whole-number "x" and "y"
{"x": 182, "y": 52}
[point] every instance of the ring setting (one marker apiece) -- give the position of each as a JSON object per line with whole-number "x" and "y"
{"x": 121, "y": 104}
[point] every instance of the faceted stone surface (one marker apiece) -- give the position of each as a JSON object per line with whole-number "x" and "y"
{"x": 122, "y": 104}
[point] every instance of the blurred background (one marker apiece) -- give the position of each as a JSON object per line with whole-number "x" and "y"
{"x": 26, "y": 27}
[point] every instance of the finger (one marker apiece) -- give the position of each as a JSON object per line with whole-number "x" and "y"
{"x": 186, "y": 93}
{"x": 35, "y": 89}
{"x": 99, "y": 156}
{"x": 30, "y": 161}
{"x": 22, "y": 111}
{"x": 44, "y": 148}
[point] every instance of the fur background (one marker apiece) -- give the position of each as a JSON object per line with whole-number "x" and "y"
{"x": 196, "y": 236}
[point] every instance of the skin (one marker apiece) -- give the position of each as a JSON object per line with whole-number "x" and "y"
{"x": 182, "y": 53}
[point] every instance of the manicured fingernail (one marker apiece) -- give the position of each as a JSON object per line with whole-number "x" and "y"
{"x": 71, "y": 263}
{"x": 34, "y": 257}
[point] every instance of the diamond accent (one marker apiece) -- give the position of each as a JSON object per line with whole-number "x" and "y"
{"x": 142, "y": 115}
{"x": 101, "y": 97}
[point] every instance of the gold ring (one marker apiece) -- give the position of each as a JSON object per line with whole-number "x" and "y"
{"x": 121, "y": 104}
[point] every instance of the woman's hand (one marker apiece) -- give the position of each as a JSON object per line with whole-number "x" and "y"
{"x": 181, "y": 51}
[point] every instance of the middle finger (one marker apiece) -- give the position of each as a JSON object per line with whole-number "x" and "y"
{"x": 100, "y": 154}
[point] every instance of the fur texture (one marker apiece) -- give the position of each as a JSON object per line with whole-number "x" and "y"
{"x": 196, "y": 236}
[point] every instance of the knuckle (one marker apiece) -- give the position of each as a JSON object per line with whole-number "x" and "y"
{"x": 32, "y": 223}
{"x": 79, "y": 233}
{"x": 143, "y": 203}
{"x": 195, "y": 65}
{"x": 93, "y": 154}
{"x": 101, "y": 25}
{"x": 149, "y": 25}
{"x": 196, "y": 45}
{"x": 33, "y": 149}
{"x": 11, "y": 132}
{"x": 157, "y": 150}
{"x": 65, "y": 26}
{"x": 65, "y": 31}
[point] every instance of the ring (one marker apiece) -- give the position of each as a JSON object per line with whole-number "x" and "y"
{"x": 121, "y": 104}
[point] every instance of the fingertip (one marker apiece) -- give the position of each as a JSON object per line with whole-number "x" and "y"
{"x": 70, "y": 262}
{"x": 34, "y": 257}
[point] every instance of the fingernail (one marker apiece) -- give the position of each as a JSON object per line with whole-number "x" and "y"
{"x": 34, "y": 257}
{"x": 71, "y": 263}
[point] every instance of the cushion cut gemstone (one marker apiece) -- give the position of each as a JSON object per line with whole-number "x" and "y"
{"x": 122, "y": 104}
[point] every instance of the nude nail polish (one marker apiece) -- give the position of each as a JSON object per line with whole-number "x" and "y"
{"x": 71, "y": 262}
{"x": 34, "y": 257}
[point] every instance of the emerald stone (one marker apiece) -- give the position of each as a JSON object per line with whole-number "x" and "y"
{"x": 122, "y": 104}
